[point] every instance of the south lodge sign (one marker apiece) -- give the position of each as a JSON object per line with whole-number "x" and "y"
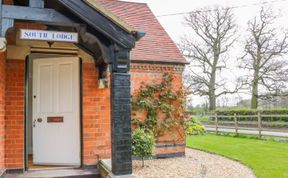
{"x": 44, "y": 35}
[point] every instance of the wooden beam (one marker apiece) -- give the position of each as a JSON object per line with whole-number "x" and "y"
{"x": 43, "y": 15}
{"x": 81, "y": 9}
{"x": 1, "y": 35}
{"x": 5, "y": 25}
{"x": 36, "y": 3}
{"x": 90, "y": 42}
{"x": 100, "y": 23}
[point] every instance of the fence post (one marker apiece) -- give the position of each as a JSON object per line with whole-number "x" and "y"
{"x": 216, "y": 123}
{"x": 259, "y": 124}
{"x": 236, "y": 123}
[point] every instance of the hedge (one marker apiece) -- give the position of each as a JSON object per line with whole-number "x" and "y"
{"x": 277, "y": 114}
{"x": 276, "y": 111}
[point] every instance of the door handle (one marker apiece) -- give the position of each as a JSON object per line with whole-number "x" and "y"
{"x": 39, "y": 120}
{"x": 36, "y": 120}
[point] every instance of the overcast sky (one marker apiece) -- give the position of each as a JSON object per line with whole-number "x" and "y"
{"x": 244, "y": 10}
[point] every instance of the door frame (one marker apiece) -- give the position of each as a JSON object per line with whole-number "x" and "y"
{"x": 28, "y": 95}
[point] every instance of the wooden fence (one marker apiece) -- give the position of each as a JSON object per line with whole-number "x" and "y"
{"x": 237, "y": 118}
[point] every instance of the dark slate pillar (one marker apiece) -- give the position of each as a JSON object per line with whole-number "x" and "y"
{"x": 121, "y": 114}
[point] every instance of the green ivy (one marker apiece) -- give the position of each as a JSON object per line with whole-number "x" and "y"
{"x": 162, "y": 103}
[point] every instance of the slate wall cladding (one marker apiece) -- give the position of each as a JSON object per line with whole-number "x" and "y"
{"x": 121, "y": 123}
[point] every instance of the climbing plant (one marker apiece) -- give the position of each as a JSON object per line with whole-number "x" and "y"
{"x": 158, "y": 106}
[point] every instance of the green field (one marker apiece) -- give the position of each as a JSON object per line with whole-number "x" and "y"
{"x": 267, "y": 159}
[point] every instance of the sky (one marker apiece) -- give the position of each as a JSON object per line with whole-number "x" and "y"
{"x": 244, "y": 10}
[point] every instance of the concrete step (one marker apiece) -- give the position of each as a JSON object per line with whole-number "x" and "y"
{"x": 59, "y": 173}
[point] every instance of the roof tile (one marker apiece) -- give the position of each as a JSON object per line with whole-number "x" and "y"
{"x": 156, "y": 45}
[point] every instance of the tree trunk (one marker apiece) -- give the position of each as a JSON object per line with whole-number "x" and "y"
{"x": 212, "y": 102}
{"x": 254, "y": 102}
{"x": 254, "y": 98}
{"x": 212, "y": 96}
{"x": 143, "y": 162}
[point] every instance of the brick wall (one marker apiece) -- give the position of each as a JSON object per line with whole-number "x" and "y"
{"x": 172, "y": 142}
{"x": 2, "y": 105}
{"x": 96, "y": 117}
{"x": 96, "y": 113}
{"x": 2, "y": 111}
{"x": 143, "y": 72}
{"x": 14, "y": 142}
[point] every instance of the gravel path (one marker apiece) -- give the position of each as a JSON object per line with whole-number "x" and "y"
{"x": 196, "y": 164}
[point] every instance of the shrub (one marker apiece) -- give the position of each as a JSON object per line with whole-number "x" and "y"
{"x": 142, "y": 144}
{"x": 274, "y": 111}
{"x": 194, "y": 127}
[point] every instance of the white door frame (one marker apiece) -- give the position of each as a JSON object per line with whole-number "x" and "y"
{"x": 29, "y": 102}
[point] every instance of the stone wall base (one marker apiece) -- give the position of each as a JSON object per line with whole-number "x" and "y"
{"x": 104, "y": 167}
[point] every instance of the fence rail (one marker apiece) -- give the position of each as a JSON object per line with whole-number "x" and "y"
{"x": 234, "y": 123}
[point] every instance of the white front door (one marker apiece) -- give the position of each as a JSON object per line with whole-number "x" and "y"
{"x": 56, "y": 111}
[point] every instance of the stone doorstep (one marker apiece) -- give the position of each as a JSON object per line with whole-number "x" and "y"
{"x": 59, "y": 173}
{"x": 105, "y": 168}
{"x": 2, "y": 174}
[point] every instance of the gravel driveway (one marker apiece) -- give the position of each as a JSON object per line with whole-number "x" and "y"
{"x": 196, "y": 164}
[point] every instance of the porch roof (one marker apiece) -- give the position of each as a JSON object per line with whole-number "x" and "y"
{"x": 117, "y": 21}
{"x": 100, "y": 8}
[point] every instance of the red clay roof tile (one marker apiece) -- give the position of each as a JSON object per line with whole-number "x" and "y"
{"x": 156, "y": 45}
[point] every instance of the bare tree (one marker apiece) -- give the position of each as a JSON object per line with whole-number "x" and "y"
{"x": 264, "y": 49}
{"x": 214, "y": 32}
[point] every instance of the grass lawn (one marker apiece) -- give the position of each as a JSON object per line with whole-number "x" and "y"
{"x": 267, "y": 159}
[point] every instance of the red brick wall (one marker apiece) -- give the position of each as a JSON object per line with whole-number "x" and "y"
{"x": 96, "y": 117}
{"x": 96, "y": 113}
{"x": 172, "y": 141}
{"x": 14, "y": 142}
{"x": 2, "y": 110}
